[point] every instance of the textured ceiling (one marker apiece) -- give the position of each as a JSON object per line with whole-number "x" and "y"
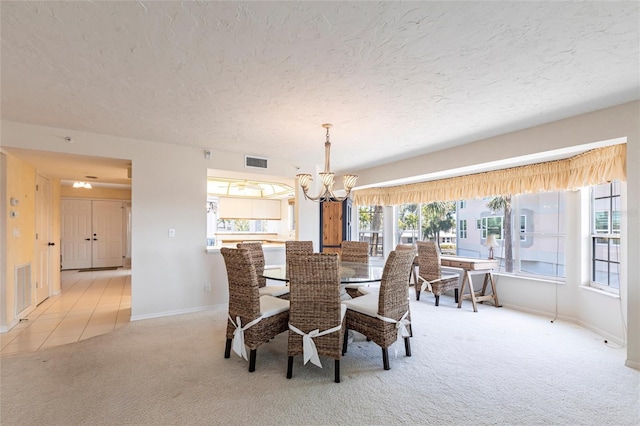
{"x": 396, "y": 79}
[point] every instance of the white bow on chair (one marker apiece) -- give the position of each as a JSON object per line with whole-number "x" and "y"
{"x": 309, "y": 350}
{"x": 401, "y": 326}
{"x": 238, "y": 336}
{"x": 425, "y": 285}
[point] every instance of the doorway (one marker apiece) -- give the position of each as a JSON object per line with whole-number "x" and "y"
{"x": 92, "y": 233}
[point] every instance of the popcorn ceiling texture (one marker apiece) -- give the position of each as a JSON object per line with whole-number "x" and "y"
{"x": 395, "y": 79}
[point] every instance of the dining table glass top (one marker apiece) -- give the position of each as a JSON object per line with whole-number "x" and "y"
{"x": 350, "y": 272}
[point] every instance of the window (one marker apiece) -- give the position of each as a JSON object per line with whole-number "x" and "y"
{"x": 462, "y": 228}
{"x": 492, "y": 225}
{"x": 370, "y": 227}
{"x": 217, "y": 227}
{"x": 408, "y": 220}
{"x": 528, "y": 227}
{"x": 605, "y": 236}
{"x": 539, "y": 248}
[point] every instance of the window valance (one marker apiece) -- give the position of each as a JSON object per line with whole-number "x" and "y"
{"x": 589, "y": 168}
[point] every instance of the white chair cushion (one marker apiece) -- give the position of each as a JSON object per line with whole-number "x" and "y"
{"x": 270, "y": 306}
{"x": 369, "y": 290}
{"x": 273, "y": 290}
{"x": 352, "y": 285}
{"x": 367, "y": 304}
{"x": 343, "y": 311}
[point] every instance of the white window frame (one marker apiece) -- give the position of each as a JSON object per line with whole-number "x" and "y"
{"x": 462, "y": 230}
{"x": 610, "y": 235}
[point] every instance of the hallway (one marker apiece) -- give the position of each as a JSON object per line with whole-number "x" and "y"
{"x": 91, "y": 303}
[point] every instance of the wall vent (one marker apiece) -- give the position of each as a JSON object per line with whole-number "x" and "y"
{"x": 23, "y": 287}
{"x": 255, "y": 162}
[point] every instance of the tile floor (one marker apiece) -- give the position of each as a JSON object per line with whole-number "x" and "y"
{"x": 91, "y": 303}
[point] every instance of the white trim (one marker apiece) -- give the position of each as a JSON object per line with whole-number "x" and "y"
{"x": 531, "y": 278}
{"x": 593, "y": 329}
{"x": 632, "y": 364}
{"x": 177, "y": 312}
{"x": 606, "y": 293}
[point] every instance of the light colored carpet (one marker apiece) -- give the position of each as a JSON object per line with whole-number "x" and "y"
{"x": 497, "y": 366}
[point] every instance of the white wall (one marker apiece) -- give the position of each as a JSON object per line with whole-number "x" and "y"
{"x": 595, "y": 310}
{"x": 168, "y": 191}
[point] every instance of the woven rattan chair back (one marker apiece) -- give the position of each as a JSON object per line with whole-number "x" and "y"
{"x": 292, "y": 247}
{"x": 415, "y": 260}
{"x": 257, "y": 258}
{"x": 243, "y": 284}
{"x": 296, "y": 247}
{"x": 315, "y": 303}
{"x": 354, "y": 251}
{"x": 428, "y": 260}
{"x": 393, "y": 300}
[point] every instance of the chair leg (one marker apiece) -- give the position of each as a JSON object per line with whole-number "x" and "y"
{"x": 227, "y": 349}
{"x": 385, "y": 358}
{"x": 456, "y": 294}
{"x": 345, "y": 341}
{"x": 337, "y": 368}
{"x": 290, "y": 367}
{"x": 252, "y": 360}
{"x": 417, "y": 292}
{"x": 407, "y": 346}
{"x": 437, "y": 300}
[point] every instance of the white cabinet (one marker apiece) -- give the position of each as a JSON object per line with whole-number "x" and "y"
{"x": 247, "y": 208}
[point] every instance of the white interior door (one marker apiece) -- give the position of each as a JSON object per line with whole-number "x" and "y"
{"x": 42, "y": 273}
{"x": 91, "y": 234}
{"x": 107, "y": 233}
{"x": 76, "y": 234}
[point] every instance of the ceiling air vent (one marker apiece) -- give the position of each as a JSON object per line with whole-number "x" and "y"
{"x": 255, "y": 162}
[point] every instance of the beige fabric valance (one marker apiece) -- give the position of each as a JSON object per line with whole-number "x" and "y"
{"x": 589, "y": 168}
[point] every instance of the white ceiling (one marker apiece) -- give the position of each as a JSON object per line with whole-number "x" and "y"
{"x": 396, "y": 79}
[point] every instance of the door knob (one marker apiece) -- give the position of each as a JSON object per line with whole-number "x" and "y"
{"x": 51, "y": 244}
{"x": 87, "y": 239}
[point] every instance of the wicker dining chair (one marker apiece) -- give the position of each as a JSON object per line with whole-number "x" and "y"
{"x": 430, "y": 274}
{"x": 316, "y": 311}
{"x": 292, "y": 247}
{"x": 252, "y": 319}
{"x": 385, "y": 318}
{"x": 257, "y": 258}
{"x": 354, "y": 251}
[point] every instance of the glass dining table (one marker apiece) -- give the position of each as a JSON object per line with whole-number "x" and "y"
{"x": 350, "y": 273}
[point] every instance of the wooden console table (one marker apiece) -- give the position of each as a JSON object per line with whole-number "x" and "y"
{"x": 471, "y": 267}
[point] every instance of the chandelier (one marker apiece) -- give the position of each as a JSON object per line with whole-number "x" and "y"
{"x": 327, "y": 177}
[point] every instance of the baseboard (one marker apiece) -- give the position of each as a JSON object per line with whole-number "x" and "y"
{"x": 177, "y": 312}
{"x": 610, "y": 337}
{"x": 632, "y": 364}
{"x": 8, "y": 327}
